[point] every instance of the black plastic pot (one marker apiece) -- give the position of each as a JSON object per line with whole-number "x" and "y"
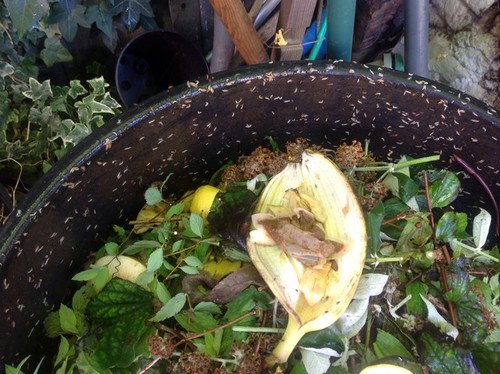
{"x": 190, "y": 132}
{"x": 154, "y": 61}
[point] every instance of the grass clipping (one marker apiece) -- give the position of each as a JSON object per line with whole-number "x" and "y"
{"x": 308, "y": 241}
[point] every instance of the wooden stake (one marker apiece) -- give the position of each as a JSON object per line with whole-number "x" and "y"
{"x": 239, "y": 26}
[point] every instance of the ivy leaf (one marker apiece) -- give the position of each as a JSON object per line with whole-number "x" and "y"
{"x": 25, "y": 14}
{"x": 443, "y": 191}
{"x": 442, "y": 357}
{"x": 103, "y": 20}
{"x": 38, "y": 91}
{"x": 131, "y": 11}
{"x": 68, "y": 14}
{"x": 54, "y": 52}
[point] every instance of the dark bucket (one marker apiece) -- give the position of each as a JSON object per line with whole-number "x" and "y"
{"x": 190, "y": 132}
{"x": 154, "y": 61}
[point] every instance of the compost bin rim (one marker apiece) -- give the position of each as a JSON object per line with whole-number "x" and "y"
{"x": 40, "y": 193}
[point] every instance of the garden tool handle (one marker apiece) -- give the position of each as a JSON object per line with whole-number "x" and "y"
{"x": 239, "y": 25}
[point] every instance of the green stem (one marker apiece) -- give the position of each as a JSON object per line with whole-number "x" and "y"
{"x": 476, "y": 251}
{"x": 385, "y": 259}
{"x": 400, "y": 165}
{"x": 256, "y": 329}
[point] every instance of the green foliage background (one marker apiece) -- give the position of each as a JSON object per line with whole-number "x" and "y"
{"x": 39, "y": 120}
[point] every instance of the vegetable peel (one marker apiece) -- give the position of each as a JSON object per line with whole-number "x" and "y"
{"x": 312, "y": 269}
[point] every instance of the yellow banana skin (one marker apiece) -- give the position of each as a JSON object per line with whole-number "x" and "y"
{"x": 314, "y": 296}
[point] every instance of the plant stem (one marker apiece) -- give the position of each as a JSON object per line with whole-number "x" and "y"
{"x": 272, "y": 330}
{"x": 288, "y": 342}
{"x": 237, "y": 319}
{"x": 391, "y": 167}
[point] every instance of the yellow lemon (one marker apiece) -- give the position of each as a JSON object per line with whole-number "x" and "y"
{"x": 123, "y": 267}
{"x": 203, "y": 199}
{"x": 385, "y": 369}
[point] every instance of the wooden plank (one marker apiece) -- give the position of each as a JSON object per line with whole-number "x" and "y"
{"x": 239, "y": 26}
{"x": 295, "y": 17}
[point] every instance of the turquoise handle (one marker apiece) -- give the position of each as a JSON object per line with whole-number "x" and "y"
{"x": 340, "y": 15}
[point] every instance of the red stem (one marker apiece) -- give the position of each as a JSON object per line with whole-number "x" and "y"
{"x": 483, "y": 184}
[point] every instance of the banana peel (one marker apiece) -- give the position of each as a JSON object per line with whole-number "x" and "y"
{"x": 312, "y": 265}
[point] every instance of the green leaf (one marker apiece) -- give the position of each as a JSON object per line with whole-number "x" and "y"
{"x": 76, "y": 89}
{"x": 416, "y": 305}
{"x": 116, "y": 347}
{"x": 81, "y": 298}
{"x": 208, "y": 306}
{"x": 416, "y": 233}
{"x": 387, "y": 345}
{"x": 155, "y": 260}
{"x": 374, "y": 220}
{"x": 16, "y": 370}
{"x": 121, "y": 309}
{"x": 38, "y": 91}
{"x": 141, "y": 245}
{"x": 443, "y": 358}
{"x": 451, "y": 226}
{"x": 175, "y": 210}
{"x": 25, "y": 14}
{"x": 191, "y": 270}
{"x": 68, "y": 14}
{"x": 131, "y": 11}
{"x": 196, "y": 321}
{"x": 103, "y": 20}
{"x": 196, "y": 224}
{"x": 407, "y": 187}
{"x": 487, "y": 358}
{"x": 67, "y": 319}
{"x": 63, "y": 351}
{"x": 443, "y": 191}
{"x": 324, "y": 338}
{"x": 98, "y": 273}
{"x": 120, "y": 298}
{"x": 153, "y": 196}
{"x": 194, "y": 262}
{"x": 171, "y": 308}
{"x": 54, "y": 52}
{"x": 162, "y": 292}
{"x": 111, "y": 248}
